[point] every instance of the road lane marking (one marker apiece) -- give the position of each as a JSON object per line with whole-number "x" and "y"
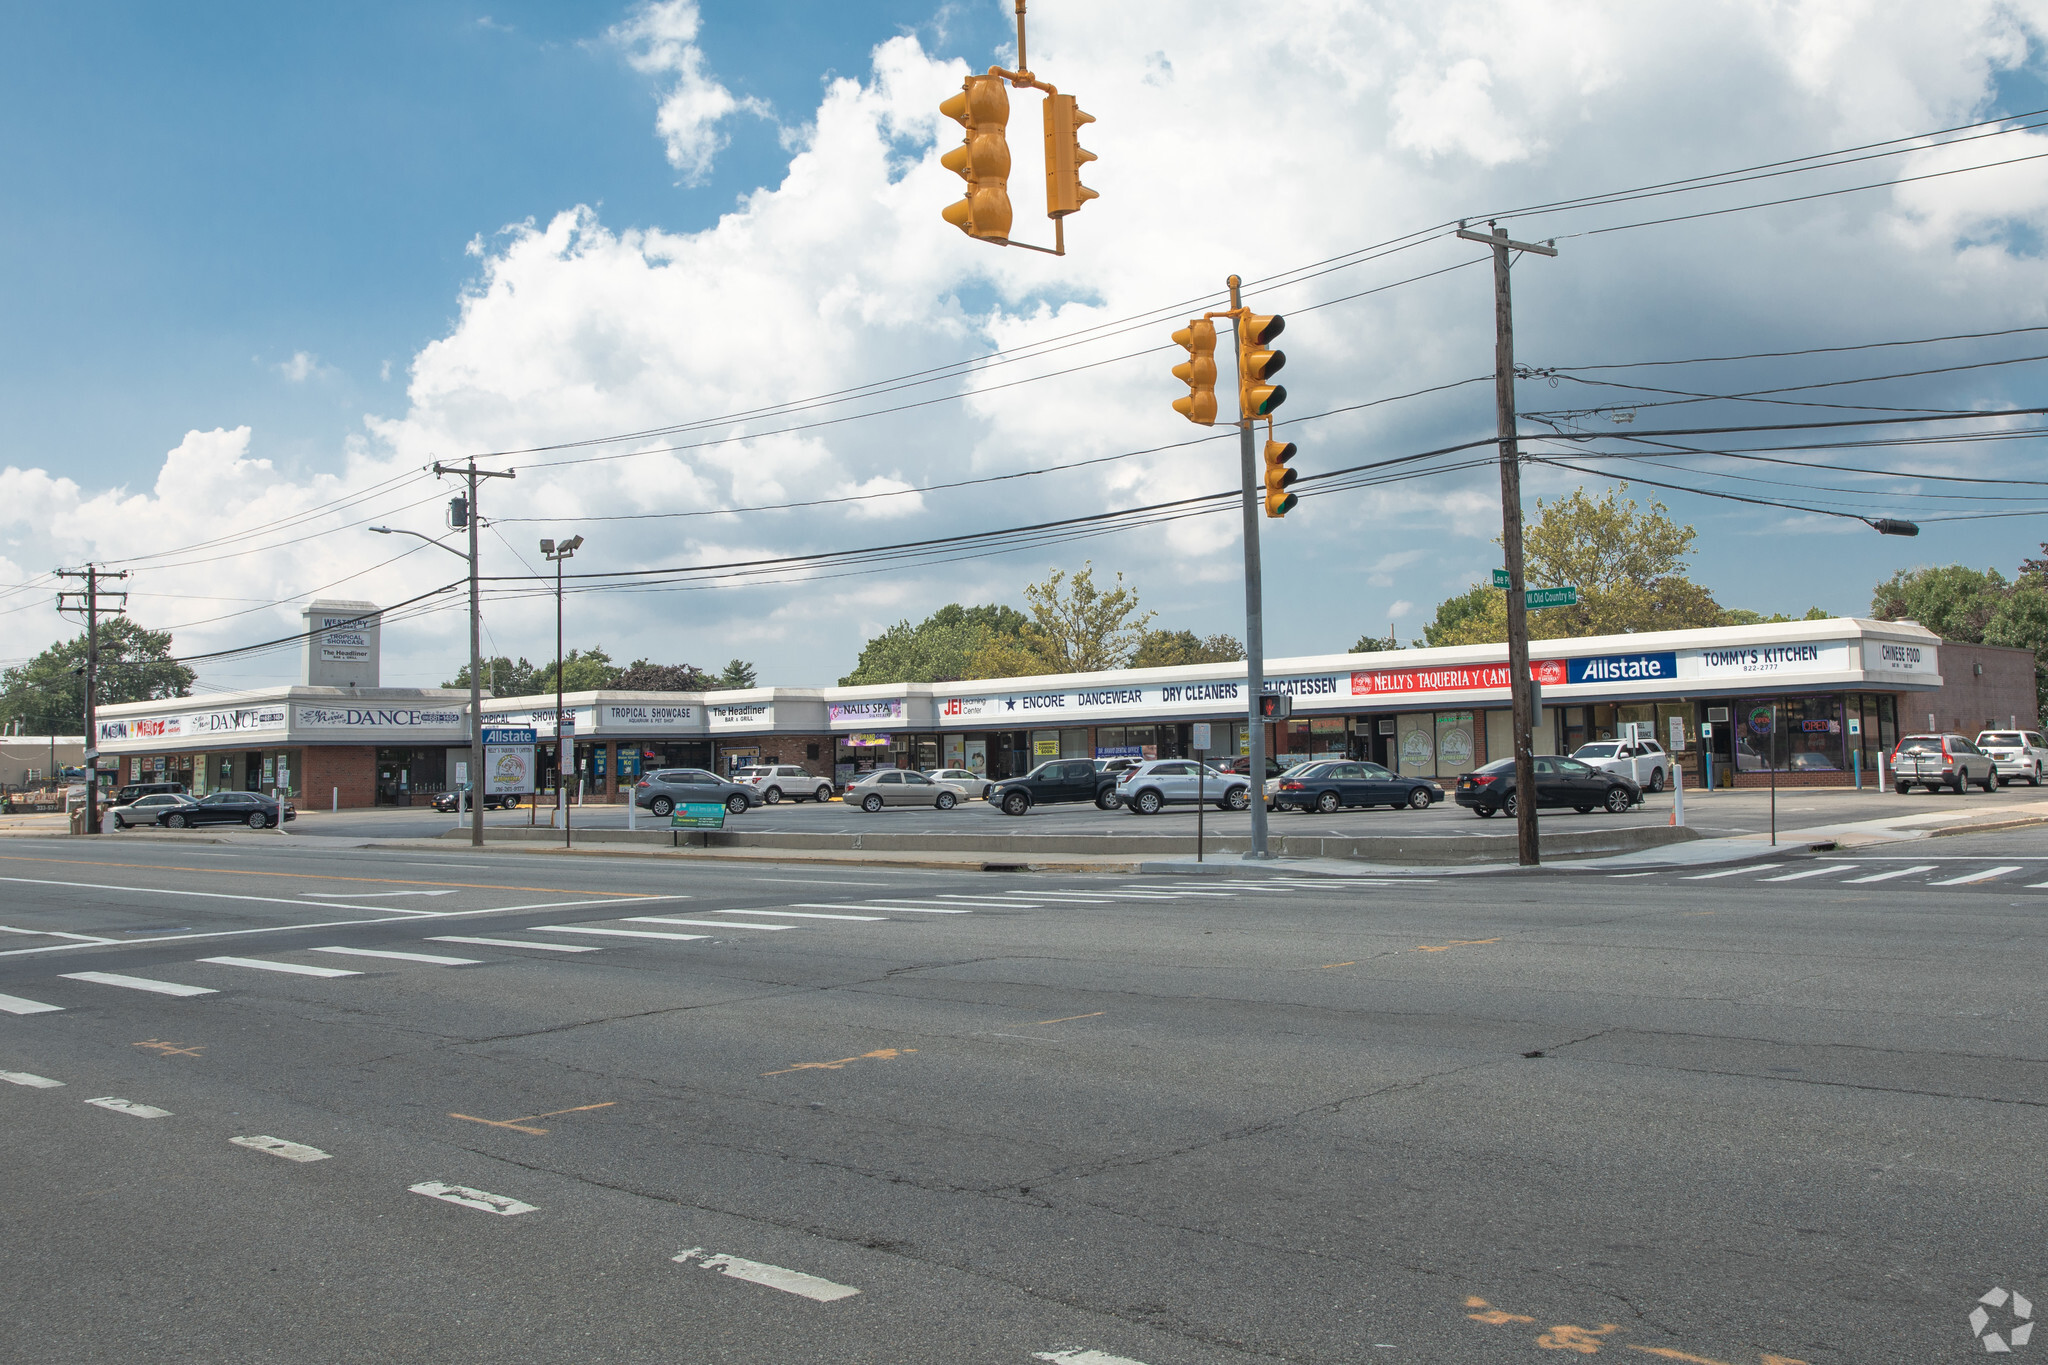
{"x": 1084, "y": 1358}
{"x": 139, "y": 983}
{"x": 799, "y": 914}
{"x": 1809, "y": 872}
{"x": 886, "y": 1054}
{"x": 877, "y": 905}
{"x": 773, "y": 1276}
{"x": 170, "y": 1049}
{"x": 290, "y": 1151}
{"x": 1327, "y": 965}
{"x": 299, "y": 876}
{"x": 377, "y": 895}
{"x": 121, "y": 1106}
{"x": 289, "y": 968}
{"x": 704, "y": 923}
{"x": 516, "y": 943}
{"x": 436, "y": 959}
{"x": 950, "y": 896}
{"x": 469, "y": 1198}
{"x": 211, "y": 895}
{"x": 1454, "y": 943}
{"x": 1073, "y": 896}
{"x": 1887, "y": 876}
{"x": 55, "y": 933}
{"x": 1730, "y": 872}
{"x": 29, "y": 1079}
{"x": 1068, "y": 1019}
{"x": 1986, "y": 875}
{"x": 618, "y": 933}
{"x": 1624, "y": 876}
{"x": 14, "y": 1004}
{"x": 528, "y": 1118}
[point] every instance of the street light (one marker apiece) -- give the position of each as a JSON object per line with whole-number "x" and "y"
{"x": 556, "y": 552}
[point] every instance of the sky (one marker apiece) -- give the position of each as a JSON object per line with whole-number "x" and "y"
{"x": 265, "y": 264}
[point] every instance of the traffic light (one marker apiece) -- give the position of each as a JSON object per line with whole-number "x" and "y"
{"x": 1064, "y": 156}
{"x": 1275, "y": 706}
{"x": 1279, "y": 502}
{"x": 1198, "y": 372}
{"x": 1256, "y": 363}
{"x": 983, "y": 159}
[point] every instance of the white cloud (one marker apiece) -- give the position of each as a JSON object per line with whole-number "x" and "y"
{"x": 661, "y": 39}
{"x": 302, "y": 366}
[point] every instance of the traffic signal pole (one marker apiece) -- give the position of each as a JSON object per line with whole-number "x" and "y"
{"x": 1254, "y": 596}
{"x": 1520, "y": 690}
{"x": 476, "y": 661}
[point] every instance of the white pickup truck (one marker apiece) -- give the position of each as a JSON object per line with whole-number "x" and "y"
{"x": 1641, "y": 760}
{"x": 1937, "y": 761}
{"x": 2018, "y": 754}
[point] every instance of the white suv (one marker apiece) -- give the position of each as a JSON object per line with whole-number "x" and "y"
{"x": 778, "y": 780}
{"x": 1641, "y": 760}
{"x": 2017, "y": 753}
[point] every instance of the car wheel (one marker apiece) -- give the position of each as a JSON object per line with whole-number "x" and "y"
{"x": 1107, "y": 799}
{"x": 1617, "y": 800}
{"x": 772, "y": 795}
{"x": 1903, "y": 788}
{"x": 1145, "y": 803}
{"x": 946, "y": 801}
{"x": 1483, "y": 812}
{"x": 661, "y": 805}
{"x": 1656, "y": 779}
{"x": 176, "y": 821}
{"x": 1956, "y": 783}
{"x": 1238, "y": 799}
{"x": 1015, "y": 803}
{"x": 1328, "y": 803}
{"x": 258, "y": 820}
{"x": 2035, "y": 780}
{"x": 737, "y": 803}
{"x": 1583, "y": 810}
{"x": 1418, "y": 799}
{"x": 871, "y": 803}
{"x": 1990, "y": 781}
{"x": 822, "y": 795}
{"x": 1509, "y": 805}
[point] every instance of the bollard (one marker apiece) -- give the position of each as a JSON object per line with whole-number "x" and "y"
{"x": 337, "y": 800}
{"x": 1677, "y": 795}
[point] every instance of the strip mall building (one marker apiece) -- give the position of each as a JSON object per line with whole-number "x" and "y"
{"x": 1816, "y": 700}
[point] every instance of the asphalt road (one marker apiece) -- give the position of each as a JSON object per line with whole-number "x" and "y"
{"x": 1500, "y": 1117}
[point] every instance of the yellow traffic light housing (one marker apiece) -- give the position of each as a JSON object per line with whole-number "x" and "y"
{"x": 1198, "y": 372}
{"x": 1256, "y": 363}
{"x": 982, "y": 159}
{"x": 1279, "y": 502}
{"x": 1064, "y": 156}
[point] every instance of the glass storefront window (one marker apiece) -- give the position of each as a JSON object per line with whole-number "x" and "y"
{"x": 1792, "y": 734}
{"x": 1415, "y": 744}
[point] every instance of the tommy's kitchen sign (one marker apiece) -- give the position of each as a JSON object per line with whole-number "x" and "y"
{"x": 1820, "y": 657}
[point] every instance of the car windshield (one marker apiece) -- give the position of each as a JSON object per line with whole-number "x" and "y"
{"x": 1499, "y": 765}
{"x": 1592, "y": 752}
{"x": 1913, "y": 744}
{"x": 1310, "y": 770}
{"x": 2010, "y": 737}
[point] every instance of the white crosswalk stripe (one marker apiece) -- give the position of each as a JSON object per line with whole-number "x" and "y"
{"x": 1809, "y": 872}
{"x": 130, "y": 1107}
{"x": 470, "y": 1199}
{"x": 1730, "y": 872}
{"x": 704, "y": 923}
{"x": 290, "y": 1151}
{"x": 1988, "y": 874}
{"x": 29, "y": 1078}
{"x": 905, "y": 907}
{"x": 773, "y": 1276}
{"x": 803, "y": 914}
{"x": 614, "y": 933}
{"x": 1888, "y": 876}
{"x": 139, "y": 983}
{"x": 15, "y": 1004}
{"x": 257, "y": 964}
{"x": 515, "y": 943}
{"x": 431, "y": 959}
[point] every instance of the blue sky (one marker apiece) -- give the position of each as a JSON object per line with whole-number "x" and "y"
{"x": 259, "y": 256}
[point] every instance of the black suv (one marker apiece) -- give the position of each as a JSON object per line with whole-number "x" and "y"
{"x": 1065, "y": 779}
{"x": 135, "y": 790}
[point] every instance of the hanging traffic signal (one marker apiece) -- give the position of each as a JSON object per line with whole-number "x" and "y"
{"x": 1279, "y": 502}
{"x": 983, "y": 159}
{"x": 1064, "y": 156}
{"x": 1256, "y": 363}
{"x": 1198, "y": 372}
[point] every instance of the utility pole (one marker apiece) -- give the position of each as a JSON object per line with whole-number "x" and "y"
{"x": 476, "y": 661}
{"x": 1254, "y": 595}
{"x": 88, "y": 604}
{"x": 1519, "y": 692}
{"x": 565, "y": 744}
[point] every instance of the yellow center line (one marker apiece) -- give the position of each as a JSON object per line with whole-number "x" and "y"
{"x": 884, "y": 1053}
{"x": 171, "y": 1049}
{"x": 1327, "y": 965}
{"x": 1454, "y": 943}
{"x": 1072, "y": 1017}
{"x": 517, "y": 1124}
{"x": 329, "y": 877}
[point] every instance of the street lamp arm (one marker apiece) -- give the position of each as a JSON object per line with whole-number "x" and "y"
{"x": 401, "y": 531}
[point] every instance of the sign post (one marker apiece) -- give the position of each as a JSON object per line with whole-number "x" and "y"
{"x": 1535, "y": 599}
{"x": 1199, "y": 742}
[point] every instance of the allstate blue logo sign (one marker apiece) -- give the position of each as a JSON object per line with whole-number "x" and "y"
{"x": 1611, "y": 668}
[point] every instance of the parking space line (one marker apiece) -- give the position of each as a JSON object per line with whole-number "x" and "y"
{"x": 616, "y": 933}
{"x": 289, "y": 968}
{"x": 15, "y": 1004}
{"x": 29, "y": 1079}
{"x": 1887, "y": 876}
{"x": 516, "y": 943}
{"x": 1730, "y": 872}
{"x": 130, "y": 1107}
{"x": 290, "y": 1151}
{"x": 705, "y": 923}
{"x": 469, "y": 1198}
{"x": 1986, "y": 875}
{"x": 773, "y": 1276}
{"x": 139, "y": 983}
{"x": 800, "y": 914}
{"x": 433, "y": 959}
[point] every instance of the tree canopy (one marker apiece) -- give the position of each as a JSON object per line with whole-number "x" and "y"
{"x": 943, "y": 647}
{"x": 1174, "y": 648}
{"x": 46, "y": 695}
{"x": 584, "y": 671}
{"x": 737, "y": 674}
{"x": 1084, "y": 629}
{"x": 1072, "y": 626}
{"x": 1973, "y": 607}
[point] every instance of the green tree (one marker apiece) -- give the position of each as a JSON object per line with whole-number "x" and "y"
{"x": 737, "y": 674}
{"x": 1084, "y": 629}
{"x": 1972, "y": 607}
{"x": 585, "y": 670}
{"x": 642, "y": 676}
{"x": 1174, "y": 648}
{"x": 941, "y": 648}
{"x": 1375, "y": 644}
{"x": 46, "y": 695}
{"x": 1461, "y": 619}
{"x": 504, "y": 677}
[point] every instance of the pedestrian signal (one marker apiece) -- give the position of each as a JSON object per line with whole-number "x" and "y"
{"x": 1279, "y": 502}
{"x": 1256, "y": 363}
{"x": 1198, "y": 372}
{"x": 1064, "y": 156}
{"x": 982, "y": 159}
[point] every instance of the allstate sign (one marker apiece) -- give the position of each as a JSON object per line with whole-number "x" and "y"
{"x": 1614, "y": 668}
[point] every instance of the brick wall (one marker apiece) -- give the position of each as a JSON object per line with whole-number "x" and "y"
{"x": 1983, "y": 687}
{"x": 353, "y": 768}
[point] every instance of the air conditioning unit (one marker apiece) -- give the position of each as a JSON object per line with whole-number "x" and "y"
{"x": 1717, "y": 715}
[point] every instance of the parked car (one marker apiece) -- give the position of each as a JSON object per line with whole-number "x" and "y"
{"x": 1161, "y": 782}
{"x": 901, "y": 787}
{"x": 446, "y": 801}
{"x": 1059, "y": 780}
{"x": 1117, "y": 767}
{"x": 665, "y": 789}
{"x": 145, "y": 810}
{"x": 774, "y": 781}
{"x": 1937, "y": 761}
{"x": 135, "y": 791}
{"x": 969, "y": 782}
{"x": 1242, "y": 766}
{"x": 1331, "y": 785}
{"x": 1559, "y": 782}
{"x": 253, "y": 809}
{"x": 1642, "y": 761}
{"x": 2016, "y": 753}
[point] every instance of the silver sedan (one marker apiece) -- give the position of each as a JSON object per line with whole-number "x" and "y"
{"x": 970, "y": 783}
{"x": 901, "y": 787}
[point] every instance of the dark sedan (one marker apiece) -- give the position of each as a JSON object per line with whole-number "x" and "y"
{"x": 1331, "y": 786}
{"x": 446, "y": 801}
{"x": 253, "y": 809}
{"x": 1559, "y": 782}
